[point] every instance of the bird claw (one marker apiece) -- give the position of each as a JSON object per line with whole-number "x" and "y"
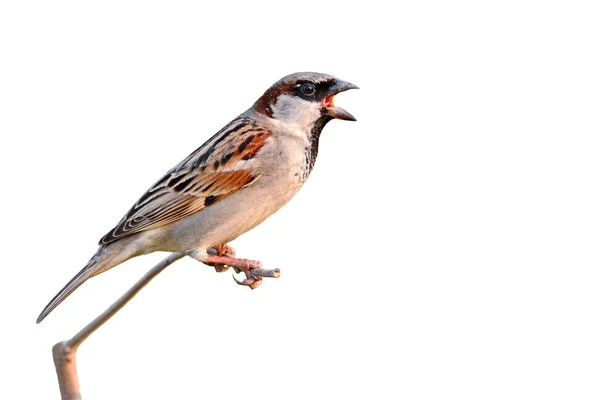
{"x": 251, "y": 282}
{"x": 252, "y": 269}
{"x": 254, "y": 276}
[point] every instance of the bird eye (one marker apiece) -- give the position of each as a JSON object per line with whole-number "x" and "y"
{"x": 308, "y": 89}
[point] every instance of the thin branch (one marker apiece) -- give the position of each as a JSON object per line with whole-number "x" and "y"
{"x": 64, "y": 353}
{"x": 267, "y": 273}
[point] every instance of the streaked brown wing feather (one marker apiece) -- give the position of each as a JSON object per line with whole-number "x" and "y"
{"x": 214, "y": 171}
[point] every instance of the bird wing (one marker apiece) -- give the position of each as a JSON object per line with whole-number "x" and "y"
{"x": 217, "y": 169}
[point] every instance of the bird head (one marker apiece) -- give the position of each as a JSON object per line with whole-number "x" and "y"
{"x": 304, "y": 99}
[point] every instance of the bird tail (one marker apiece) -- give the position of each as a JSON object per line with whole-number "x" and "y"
{"x": 105, "y": 258}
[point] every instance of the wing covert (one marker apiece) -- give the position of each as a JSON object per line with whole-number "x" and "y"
{"x": 214, "y": 171}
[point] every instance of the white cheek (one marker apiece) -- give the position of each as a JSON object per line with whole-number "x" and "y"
{"x": 294, "y": 110}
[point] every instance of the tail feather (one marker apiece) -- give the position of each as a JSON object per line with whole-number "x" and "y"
{"x": 100, "y": 262}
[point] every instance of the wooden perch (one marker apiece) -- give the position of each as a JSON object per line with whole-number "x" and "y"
{"x": 64, "y": 353}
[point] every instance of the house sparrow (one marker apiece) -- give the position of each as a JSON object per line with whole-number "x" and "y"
{"x": 229, "y": 185}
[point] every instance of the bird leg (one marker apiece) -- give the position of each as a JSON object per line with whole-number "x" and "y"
{"x": 222, "y": 250}
{"x": 252, "y": 269}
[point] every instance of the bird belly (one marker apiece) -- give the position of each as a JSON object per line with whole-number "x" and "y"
{"x": 280, "y": 175}
{"x": 224, "y": 220}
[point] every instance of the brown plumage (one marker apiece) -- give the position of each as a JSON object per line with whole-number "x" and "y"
{"x": 229, "y": 185}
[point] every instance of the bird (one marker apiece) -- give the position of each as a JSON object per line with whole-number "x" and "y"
{"x": 242, "y": 175}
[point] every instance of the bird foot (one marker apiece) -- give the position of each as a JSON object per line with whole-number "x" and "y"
{"x": 255, "y": 273}
{"x": 222, "y": 250}
{"x": 225, "y": 250}
{"x": 252, "y": 269}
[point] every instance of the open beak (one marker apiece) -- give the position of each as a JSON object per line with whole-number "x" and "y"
{"x": 338, "y": 112}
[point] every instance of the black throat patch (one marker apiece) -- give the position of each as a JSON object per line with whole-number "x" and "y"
{"x": 312, "y": 150}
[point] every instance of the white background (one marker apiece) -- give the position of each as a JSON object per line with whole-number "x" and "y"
{"x": 445, "y": 247}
